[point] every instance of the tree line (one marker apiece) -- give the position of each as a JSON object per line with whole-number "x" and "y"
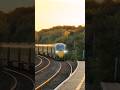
{"x": 70, "y": 35}
{"x": 17, "y": 25}
{"x": 102, "y": 41}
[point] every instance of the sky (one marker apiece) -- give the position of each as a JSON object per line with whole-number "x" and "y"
{"x": 49, "y": 13}
{"x": 10, "y": 5}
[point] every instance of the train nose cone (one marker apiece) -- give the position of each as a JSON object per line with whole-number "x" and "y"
{"x": 60, "y": 54}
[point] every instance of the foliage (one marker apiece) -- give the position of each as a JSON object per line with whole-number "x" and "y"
{"x": 58, "y": 35}
{"x": 17, "y": 26}
{"x": 102, "y": 41}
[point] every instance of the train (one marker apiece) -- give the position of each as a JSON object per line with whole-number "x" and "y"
{"x": 57, "y": 50}
{"x": 60, "y": 50}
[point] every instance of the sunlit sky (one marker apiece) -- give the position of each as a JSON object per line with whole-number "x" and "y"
{"x": 49, "y": 13}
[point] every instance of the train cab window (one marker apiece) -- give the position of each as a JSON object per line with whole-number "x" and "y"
{"x": 60, "y": 47}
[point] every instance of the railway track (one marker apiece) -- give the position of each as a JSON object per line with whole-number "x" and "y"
{"x": 42, "y": 65}
{"x": 73, "y": 65}
{"x": 7, "y": 81}
{"x": 45, "y": 74}
{"x": 48, "y": 75}
{"x": 53, "y": 75}
{"x": 22, "y": 81}
{"x": 38, "y": 61}
{"x": 59, "y": 78}
{"x": 14, "y": 80}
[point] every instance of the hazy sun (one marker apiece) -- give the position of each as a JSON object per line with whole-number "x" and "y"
{"x": 50, "y": 13}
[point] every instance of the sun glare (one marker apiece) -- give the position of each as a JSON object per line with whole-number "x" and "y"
{"x": 49, "y": 13}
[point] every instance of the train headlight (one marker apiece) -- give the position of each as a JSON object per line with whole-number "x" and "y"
{"x": 56, "y": 51}
{"x": 65, "y": 51}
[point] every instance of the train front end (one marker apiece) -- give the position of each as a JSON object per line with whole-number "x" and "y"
{"x": 60, "y": 50}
